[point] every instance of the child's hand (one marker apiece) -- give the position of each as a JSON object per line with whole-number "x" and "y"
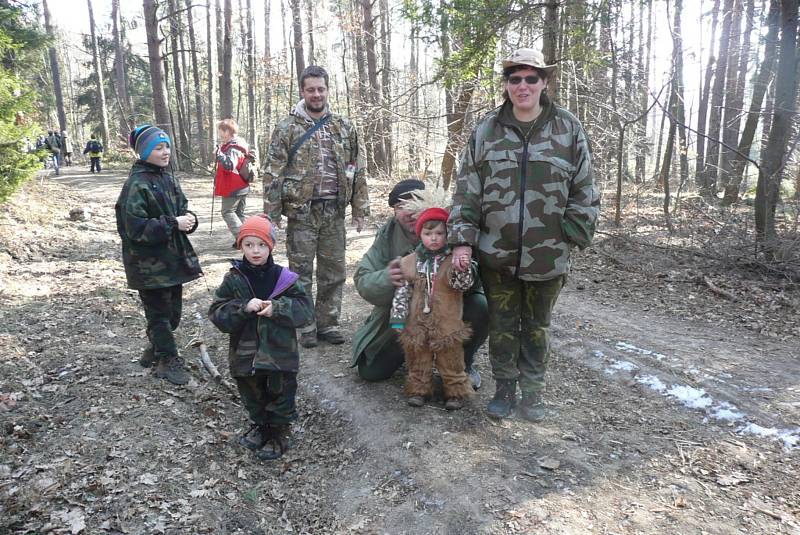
{"x": 255, "y": 305}
{"x": 266, "y": 309}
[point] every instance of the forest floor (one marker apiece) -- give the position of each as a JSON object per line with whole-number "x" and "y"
{"x": 673, "y": 401}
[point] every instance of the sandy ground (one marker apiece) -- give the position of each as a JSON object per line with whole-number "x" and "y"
{"x": 670, "y": 408}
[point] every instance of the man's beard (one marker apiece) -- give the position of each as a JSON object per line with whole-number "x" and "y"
{"x": 315, "y": 109}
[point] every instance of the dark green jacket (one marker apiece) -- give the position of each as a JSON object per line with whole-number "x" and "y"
{"x": 257, "y": 342}
{"x": 154, "y": 252}
{"x": 372, "y": 283}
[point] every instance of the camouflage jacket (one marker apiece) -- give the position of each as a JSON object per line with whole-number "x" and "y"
{"x": 257, "y": 342}
{"x": 288, "y": 188}
{"x": 154, "y": 252}
{"x": 523, "y": 205}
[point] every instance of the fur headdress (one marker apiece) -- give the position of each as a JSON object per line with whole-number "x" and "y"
{"x": 422, "y": 199}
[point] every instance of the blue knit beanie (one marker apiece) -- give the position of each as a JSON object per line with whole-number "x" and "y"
{"x": 143, "y": 139}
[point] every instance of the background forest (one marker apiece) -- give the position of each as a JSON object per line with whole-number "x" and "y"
{"x": 690, "y": 113}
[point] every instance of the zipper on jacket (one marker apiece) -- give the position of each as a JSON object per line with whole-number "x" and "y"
{"x": 522, "y": 186}
{"x": 258, "y": 318}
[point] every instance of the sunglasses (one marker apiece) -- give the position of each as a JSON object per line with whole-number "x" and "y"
{"x": 530, "y": 80}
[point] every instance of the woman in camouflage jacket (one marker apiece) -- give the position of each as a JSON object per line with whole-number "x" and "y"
{"x": 525, "y": 197}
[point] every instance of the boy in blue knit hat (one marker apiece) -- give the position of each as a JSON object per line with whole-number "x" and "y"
{"x": 154, "y": 224}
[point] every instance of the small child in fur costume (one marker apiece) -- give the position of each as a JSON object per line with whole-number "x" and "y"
{"x": 427, "y": 312}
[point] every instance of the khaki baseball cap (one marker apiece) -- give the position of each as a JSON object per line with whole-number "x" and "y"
{"x": 529, "y": 57}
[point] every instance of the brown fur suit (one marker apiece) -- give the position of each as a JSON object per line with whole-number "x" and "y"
{"x": 441, "y": 332}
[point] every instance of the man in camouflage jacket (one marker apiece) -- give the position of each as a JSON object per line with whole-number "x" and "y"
{"x": 312, "y": 181}
{"x": 525, "y": 197}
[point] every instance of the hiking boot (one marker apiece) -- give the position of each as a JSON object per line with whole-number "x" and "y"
{"x": 333, "y": 337}
{"x": 278, "y": 442}
{"x": 172, "y": 369}
{"x": 148, "y": 357}
{"x": 415, "y": 401}
{"x": 255, "y": 438}
{"x": 309, "y": 339}
{"x": 531, "y": 407}
{"x": 453, "y": 404}
{"x": 474, "y": 377}
{"x": 504, "y": 400}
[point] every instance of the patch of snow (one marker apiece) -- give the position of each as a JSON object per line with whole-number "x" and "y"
{"x": 694, "y": 398}
{"x": 789, "y": 437}
{"x": 624, "y": 346}
{"x": 726, "y": 412}
{"x": 598, "y": 354}
{"x": 652, "y": 382}
{"x": 624, "y": 365}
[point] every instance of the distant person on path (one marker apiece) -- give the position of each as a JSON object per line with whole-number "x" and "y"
{"x": 66, "y": 148}
{"x": 94, "y": 149}
{"x": 427, "y": 310}
{"x": 376, "y": 348}
{"x": 154, "y": 223}
{"x": 53, "y": 144}
{"x": 522, "y": 220}
{"x": 228, "y": 182}
{"x": 313, "y": 171}
{"x": 260, "y": 304}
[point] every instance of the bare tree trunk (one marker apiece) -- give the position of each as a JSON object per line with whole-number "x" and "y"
{"x": 644, "y": 81}
{"x": 663, "y": 179}
{"x": 210, "y": 64}
{"x": 760, "y": 83}
{"x": 297, "y": 47}
{"x": 251, "y": 77}
{"x": 54, "y": 69}
{"x": 733, "y": 105}
{"x": 183, "y": 150}
{"x": 268, "y": 78}
{"x": 549, "y": 44}
{"x": 198, "y": 94}
{"x": 98, "y": 72}
{"x": 454, "y": 132}
{"x": 702, "y": 111}
{"x": 226, "y": 82}
{"x": 413, "y": 147}
{"x": 378, "y": 155}
{"x": 160, "y": 106}
{"x": 677, "y": 44}
{"x": 310, "y": 25}
{"x": 386, "y": 73}
{"x": 710, "y": 169}
{"x": 775, "y": 155}
{"x": 120, "y": 82}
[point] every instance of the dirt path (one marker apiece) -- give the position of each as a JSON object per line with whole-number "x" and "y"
{"x": 656, "y": 424}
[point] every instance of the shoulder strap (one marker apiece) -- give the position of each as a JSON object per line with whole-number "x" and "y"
{"x": 310, "y": 132}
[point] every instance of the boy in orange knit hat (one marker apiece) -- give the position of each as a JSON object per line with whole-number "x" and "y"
{"x": 260, "y": 304}
{"x": 427, "y": 312}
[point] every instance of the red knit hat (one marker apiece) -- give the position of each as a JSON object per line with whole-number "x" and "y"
{"x": 258, "y": 226}
{"x": 431, "y": 214}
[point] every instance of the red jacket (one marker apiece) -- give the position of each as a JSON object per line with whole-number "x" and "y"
{"x": 231, "y": 157}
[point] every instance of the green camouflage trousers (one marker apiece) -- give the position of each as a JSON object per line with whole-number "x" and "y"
{"x": 162, "y": 309}
{"x": 519, "y": 326}
{"x": 269, "y": 397}
{"x": 322, "y": 235}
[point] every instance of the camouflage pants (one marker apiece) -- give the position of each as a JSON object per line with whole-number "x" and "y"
{"x": 269, "y": 397}
{"x": 320, "y": 235}
{"x": 162, "y": 309}
{"x": 233, "y": 212}
{"x": 519, "y": 326}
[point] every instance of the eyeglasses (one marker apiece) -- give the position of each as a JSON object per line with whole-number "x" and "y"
{"x": 530, "y": 80}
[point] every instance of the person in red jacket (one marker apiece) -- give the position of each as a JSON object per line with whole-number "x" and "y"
{"x": 228, "y": 183}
